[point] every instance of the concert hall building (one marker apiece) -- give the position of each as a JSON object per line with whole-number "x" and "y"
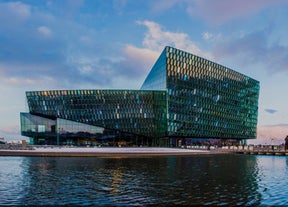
{"x": 185, "y": 99}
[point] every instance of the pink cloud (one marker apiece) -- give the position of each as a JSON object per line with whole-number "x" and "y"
{"x": 226, "y": 10}
{"x": 143, "y": 58}
{"x": 157, "y": 37}
{"x": 272, "y": 131}
{"x": 143, "y": 55}
{"x": 220, "y": 11}
{"x": 270, "y": 134}
{"x": 162, "y": 5}
{"x": 10, "y": 130}
{"x": 19, "y": 9}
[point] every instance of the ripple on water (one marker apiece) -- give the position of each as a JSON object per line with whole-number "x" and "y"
{"x": 190, "y": 180}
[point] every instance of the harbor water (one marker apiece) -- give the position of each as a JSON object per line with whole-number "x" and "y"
{"x": 221, "y": 179}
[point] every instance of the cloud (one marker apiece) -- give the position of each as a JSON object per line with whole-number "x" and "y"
{"x": 143, "y": 55}
{"x": 219, "y": 12}
{"x": 163, "y": 5}
{"x": 157, "y": 37}
{"x": 271, "y": 111}
{"x": 18, "y": 81}
{"x": 270, "y": 134}
{"x": 137, "y": 62}
{"x": 10, "y": 130}
{"x": 63, "y": 53}
{"x": 207, "y": 36}
{"x": 33, "y": 54}
{"x": 18, "y": 10}
{"x": 116, "y": 65}
{"x": 13, "y": 15}
{"x": 279, "y": 131}
{"x": 44, "y": 31}
{"x": 119, "y": 6}
{"x": 11, "y": 133}
{"x": 253, "y": 48}
{"x": 223, "y": 11}
{"x": 68, "y": 8}
{"x": 211, "y": 37}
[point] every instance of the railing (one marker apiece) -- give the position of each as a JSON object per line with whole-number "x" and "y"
{"x": 243, "y": 149}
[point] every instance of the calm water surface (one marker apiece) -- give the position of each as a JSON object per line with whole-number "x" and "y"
{"x": 166, "y": 180}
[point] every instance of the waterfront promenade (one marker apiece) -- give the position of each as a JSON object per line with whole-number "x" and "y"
{"x": 278, "y": 150}
{"x": 262, "y": 150}
{"x": 62, "y": 151}
{"x": 72, "y": 151}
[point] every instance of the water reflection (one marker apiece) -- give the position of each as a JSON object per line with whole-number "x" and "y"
{"x": 13, "y": 180}
{"x": 172, "y": 180}
{"x": 272, "y": 181}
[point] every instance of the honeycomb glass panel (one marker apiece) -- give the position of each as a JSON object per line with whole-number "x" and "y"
{"x": 183, "y": 96}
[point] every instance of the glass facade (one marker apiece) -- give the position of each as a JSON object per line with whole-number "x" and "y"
{"x": 183, "y": 96}
{"x": 38, "y": 128}
{"x": 125, "y": 113}
{"x": 156, "y": 79}
{"x": 206, "y": 99}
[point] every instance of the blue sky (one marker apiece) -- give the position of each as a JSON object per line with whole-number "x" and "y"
{"x": 71, "y": 44}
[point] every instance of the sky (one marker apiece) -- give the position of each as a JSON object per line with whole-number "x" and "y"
{"x": 111, "y": 44}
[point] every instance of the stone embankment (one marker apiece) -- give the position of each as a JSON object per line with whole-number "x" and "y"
{"x": 263, "y": 150}
{"x": 245, "y": 149}
{"x": 70, "y": 151}
{"x": 31, "y": 150}
{"x": 15, "y": 147}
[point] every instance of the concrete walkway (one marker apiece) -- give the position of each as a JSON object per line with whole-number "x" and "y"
{"x": 101, "y": 151}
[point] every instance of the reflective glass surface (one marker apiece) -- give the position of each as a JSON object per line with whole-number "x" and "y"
{"x": 38, "y": 128}
{"x": 127, "y": 111}
{"x": 206, "y": 99}
{"x": 156, "y": 79}
{"x": 183, "y": 96}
